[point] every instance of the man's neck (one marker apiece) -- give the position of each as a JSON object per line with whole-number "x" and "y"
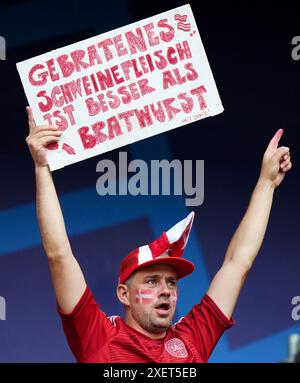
{"x": 133, "y": 324}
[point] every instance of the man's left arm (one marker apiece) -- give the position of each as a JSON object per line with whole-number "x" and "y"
{"x": 246, "y": 241}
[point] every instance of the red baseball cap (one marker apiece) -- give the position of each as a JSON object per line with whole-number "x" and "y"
{"x": 171, "y": 242}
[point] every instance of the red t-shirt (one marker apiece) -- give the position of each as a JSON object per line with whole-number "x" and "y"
{"x": 93, "y": 337}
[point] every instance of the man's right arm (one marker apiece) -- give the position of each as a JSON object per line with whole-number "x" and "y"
{"x": 67, "y": 277}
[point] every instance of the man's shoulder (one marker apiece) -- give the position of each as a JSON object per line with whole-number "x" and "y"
{"x": 114, "y": 319}
{"x": 192, "y": 313}
{"x": 179, "y": 320}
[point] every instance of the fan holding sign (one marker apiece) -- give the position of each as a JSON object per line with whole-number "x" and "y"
{"x": 148, "y": 276}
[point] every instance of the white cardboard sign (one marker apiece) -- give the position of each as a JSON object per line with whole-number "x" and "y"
{"x": 122, "y": 86}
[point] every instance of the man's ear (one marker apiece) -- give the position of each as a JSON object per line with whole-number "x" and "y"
{"x": 123, "y": 294}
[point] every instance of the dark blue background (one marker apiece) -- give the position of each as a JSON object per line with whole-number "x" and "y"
{"x": 249, "y": 49}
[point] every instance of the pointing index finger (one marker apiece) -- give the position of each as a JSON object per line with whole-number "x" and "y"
{"x": 31, "y": 121}
{"x": 275, "y": 140}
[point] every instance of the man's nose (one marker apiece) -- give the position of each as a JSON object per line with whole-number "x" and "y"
{"x": 164, "y": 289}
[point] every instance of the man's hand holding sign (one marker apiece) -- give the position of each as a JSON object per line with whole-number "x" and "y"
{"x": 39, "y": 138}
{"x": 67, "y": 277}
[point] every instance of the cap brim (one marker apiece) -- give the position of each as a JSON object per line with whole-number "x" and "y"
{"x": 182, "y": 266}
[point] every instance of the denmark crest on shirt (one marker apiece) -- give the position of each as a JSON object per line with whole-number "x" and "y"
{"x": 176, "y": 347}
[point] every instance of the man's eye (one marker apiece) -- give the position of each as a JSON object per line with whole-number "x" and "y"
{"x": 172, "y": 283}
{"x": 151, "y": 281}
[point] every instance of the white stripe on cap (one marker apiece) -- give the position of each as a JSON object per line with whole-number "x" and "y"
{"x": 176, "y": 231}
{"x": 145, "y": 254}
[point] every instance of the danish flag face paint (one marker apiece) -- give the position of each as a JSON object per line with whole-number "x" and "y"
{"x": 148, "y": 296}
{"x": 173, "y": 297}
{"x": 145, "y": 296}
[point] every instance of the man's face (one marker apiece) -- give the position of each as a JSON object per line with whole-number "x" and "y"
{"x": 153, "y": 298}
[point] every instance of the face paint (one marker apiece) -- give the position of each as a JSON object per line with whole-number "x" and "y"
{"x": 173, "y": 296}
{"x": 144, "y": 296}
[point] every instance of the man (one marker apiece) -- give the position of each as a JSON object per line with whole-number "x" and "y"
{"x": 148, "y": 276}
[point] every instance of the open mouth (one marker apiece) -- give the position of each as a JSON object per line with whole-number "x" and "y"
{"x": 163, "y": 308}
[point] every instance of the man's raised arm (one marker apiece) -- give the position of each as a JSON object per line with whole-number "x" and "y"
{"x": 67, "y": 277}
{"x": 246, "y": 241}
